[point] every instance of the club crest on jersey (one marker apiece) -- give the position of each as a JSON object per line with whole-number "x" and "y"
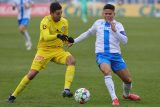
{"x": 44, "y": 26}
{"x": 62, "y": 28}
{"x": 107, "y": 28}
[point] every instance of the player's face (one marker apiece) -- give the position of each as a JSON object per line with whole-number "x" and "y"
{"x": 108, "y": 15}
{"x": 56, "y": 16}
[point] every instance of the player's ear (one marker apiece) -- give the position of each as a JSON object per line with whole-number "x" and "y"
{"x": 102, "y": 13}
{"x": 114, "y": 13}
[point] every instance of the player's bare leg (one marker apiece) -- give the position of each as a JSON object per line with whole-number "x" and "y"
{"x": 127, "y": 85}
{"x": 25, "y": 80}
{"x": 106, "y": 70}
{"x": 69, "y": 76}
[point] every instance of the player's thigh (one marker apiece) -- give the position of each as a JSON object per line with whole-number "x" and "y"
{"x": 70, "y": 60}
{"x": 40, "y": 61}
{"x": 24, "y": 22}
{"x": 61, "y": 57}
{"x": 105, "y": 68}
{"x": 101, "y": 58}
{"x": 117, "y": 63}
{"x": 103, "y": 63}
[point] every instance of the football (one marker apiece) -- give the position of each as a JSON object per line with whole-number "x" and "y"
{"x": 82, "y": 95}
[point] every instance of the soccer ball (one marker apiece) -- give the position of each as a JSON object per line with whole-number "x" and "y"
{"x": 82, "y": 95}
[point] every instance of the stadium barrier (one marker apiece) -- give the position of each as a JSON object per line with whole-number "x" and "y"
{"x": 125, "y": 10}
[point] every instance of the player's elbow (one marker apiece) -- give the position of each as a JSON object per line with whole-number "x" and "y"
{"x": 125, "y": 41}
{"x": 45, "y": 38}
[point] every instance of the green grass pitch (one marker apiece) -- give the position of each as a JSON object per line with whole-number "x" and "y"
{"x": 142, "y": 54}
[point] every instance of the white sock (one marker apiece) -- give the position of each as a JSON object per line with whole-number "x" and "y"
{"x": 27, "y": 37}
{"x": 110, "y": 86}
{"x": 126, "y": 89}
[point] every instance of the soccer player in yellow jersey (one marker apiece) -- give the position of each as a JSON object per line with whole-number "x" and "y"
{"x": 53, "y": 35}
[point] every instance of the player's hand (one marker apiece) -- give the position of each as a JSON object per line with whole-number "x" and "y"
{"x": 113, "y": 26}
{"x": 13, "y": 7}
{"x": 62, "y": 37}
{"x": 70, "y": 40}
{"x": 69, "y": 45}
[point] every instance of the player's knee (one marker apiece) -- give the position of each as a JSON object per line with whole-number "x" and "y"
{"x": 31, "y": 74}
{"x": 22, "y": 29}
{"x": 71, "y": 60}
{"x": 128, "y": 80}
{"x": 106, "y": 73}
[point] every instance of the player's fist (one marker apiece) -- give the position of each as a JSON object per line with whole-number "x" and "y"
{"x": 70, "y": 40}
{"x": 113, "y": 26}
{"x": 62, "y": 37}
{"x": 13, "y": 7}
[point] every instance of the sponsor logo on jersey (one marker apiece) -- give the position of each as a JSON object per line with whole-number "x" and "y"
{"x": 39, "y": 58}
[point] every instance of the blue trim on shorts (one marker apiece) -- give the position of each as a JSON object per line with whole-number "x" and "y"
{"x": 115, "y": 60}
{"x": 24, "y": 22}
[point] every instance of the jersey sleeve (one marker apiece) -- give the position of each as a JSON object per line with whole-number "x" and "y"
{"x": 44, "y": 29}
{"x": 121, "y": 34}
{"x": 92, "y": 30}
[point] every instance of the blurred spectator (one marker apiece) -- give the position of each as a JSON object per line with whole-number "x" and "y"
{"x": 106, "y": 1}
{"x": 84, "y": 9}
{"x": 157, "y": 13}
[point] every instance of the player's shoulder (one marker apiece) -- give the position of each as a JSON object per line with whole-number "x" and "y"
{"x": 46, "y": 19}
{"x": 64, "y": 20}
{"x": 99, "y": 21}
{"x": 117, "y": 23}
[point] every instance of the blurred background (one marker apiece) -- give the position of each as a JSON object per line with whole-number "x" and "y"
{"x": 84, "y": 8}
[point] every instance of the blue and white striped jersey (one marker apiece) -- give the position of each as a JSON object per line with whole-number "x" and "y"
{"x": 107, "y": 41}
{"x": 23, "y": 11}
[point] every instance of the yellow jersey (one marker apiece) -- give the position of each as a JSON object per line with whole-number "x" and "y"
{"x": 49, "y": 30}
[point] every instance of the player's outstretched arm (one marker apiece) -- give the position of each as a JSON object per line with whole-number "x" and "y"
{"x": 82, "y": 36}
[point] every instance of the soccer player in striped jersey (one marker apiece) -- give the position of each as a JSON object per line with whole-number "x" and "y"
{"x": 23, "y": 7}
{"x": 53, "y": 35}
{"x": 109, "y": 34}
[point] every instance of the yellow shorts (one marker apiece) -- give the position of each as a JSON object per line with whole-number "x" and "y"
{"x": 43, "y": 56}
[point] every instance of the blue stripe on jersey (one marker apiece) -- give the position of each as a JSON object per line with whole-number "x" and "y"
{"x": 22, "y": 9}
{"x": 106, "y": 37}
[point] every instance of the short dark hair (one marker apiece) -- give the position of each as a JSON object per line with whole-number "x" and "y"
{"x": 55, "y": 6}
{"x": 109, "y": 6}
